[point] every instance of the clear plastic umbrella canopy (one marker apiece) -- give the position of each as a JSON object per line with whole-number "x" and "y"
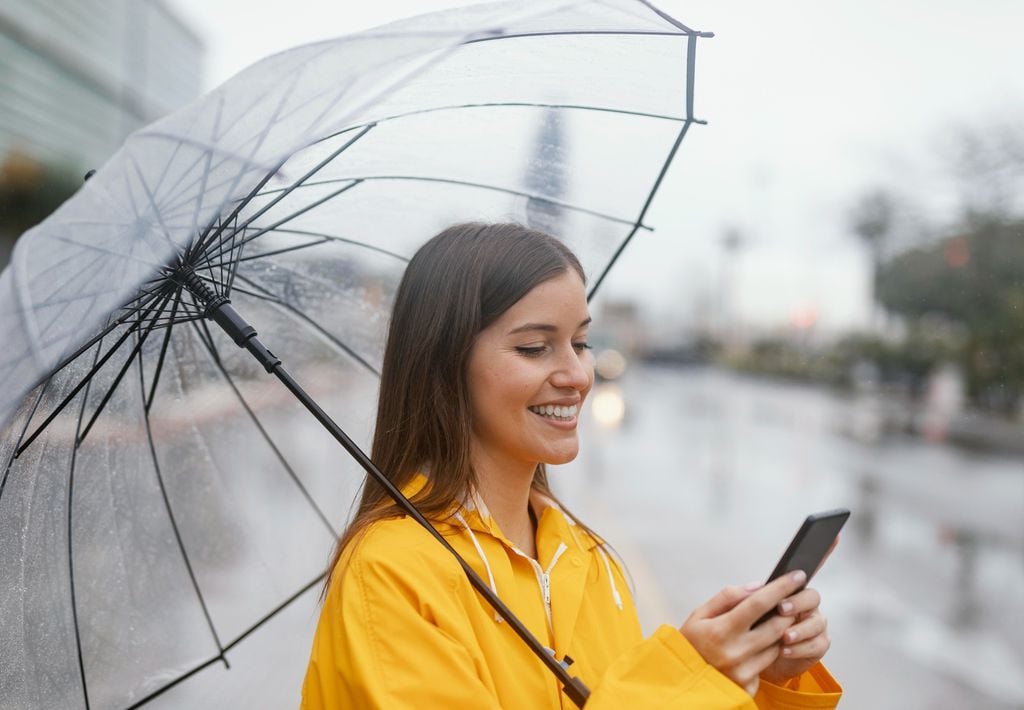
{"x": 160, "y": 496}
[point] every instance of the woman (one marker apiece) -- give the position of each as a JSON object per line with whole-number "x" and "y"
{"x": 485, "y": 371}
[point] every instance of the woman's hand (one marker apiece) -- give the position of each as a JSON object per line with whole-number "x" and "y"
{"x": 805, "y": 642}
{"x": 720, "y": 628}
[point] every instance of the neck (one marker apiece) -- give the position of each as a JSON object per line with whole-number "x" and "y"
{"x": 506, "y": 491}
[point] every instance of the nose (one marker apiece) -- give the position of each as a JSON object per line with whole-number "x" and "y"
{"x": 575, "y": 370}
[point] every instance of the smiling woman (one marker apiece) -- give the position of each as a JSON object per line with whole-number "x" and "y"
{"x": 486, "y": 369}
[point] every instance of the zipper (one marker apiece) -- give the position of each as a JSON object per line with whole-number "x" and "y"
{"x": 544, "y": 580}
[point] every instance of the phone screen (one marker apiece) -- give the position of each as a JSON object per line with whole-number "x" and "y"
{"x": 809, "y": 546}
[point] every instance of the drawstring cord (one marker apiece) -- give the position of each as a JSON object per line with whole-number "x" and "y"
{"x": 600, "y": 549}
{"x": 611, "y": 578}
{"x": 480, "y": 551}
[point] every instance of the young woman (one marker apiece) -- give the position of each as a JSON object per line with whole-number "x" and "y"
{"x": 485, "y": 374}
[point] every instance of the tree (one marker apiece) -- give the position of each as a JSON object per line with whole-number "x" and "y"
{"x": 975, "y": 279}
{"x": 871, "y": 219}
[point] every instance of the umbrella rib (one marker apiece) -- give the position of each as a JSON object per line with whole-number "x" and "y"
{"x": 579, "y": 33}
{"x": 288, "y": 190}
{"x": 21, "y": 435}
{"x": 234, "y": 265}
{"x": 322, "y": 238}
{"x": 205, "y": 664}
{"x": 285, "y": 250}
{"x": 691, "y": 54}
{"x": 71, "y": 562}
{"x": 314, "y": 325}
{"x": 120, "y": 375}
{"x": 275, "y": 611}
{"x": 287, "y": 218}
{"x": 148, "y": 401}
{"x": 208, "y": 238}
{"x": 643, "y": 212}
{"x": 119, "y": 255}
{"x": 482, "y": 186}
{"x": 81, "y": 274}
{"x": 502, "y": 104}
{"x": 99, "y": 363}
{"x": 92, "y": 341}
{"x": 177, "y": 532}
{"x": 277, "y": 452}
{"x": 152, "y": 203}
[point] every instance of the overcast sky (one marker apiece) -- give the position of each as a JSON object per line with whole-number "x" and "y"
{"x": 808, "y": 103}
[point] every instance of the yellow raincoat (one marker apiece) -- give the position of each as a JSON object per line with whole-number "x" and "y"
{"x": 401, "y": 627}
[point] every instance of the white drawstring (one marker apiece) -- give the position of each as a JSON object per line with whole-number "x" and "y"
{"x": 611, "y": 578}
{"x": 480, "y": 551}
{"x": 600, "y": 548}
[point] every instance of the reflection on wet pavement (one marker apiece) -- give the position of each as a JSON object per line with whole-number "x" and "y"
{"x": 710, "y": 473}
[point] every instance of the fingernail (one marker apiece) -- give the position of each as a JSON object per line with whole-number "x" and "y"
{"x": 786, "y": 607}
{"x": 798, "y": 576}
{"x": 787, "y": 651}
{"x": 753, "y": 586}
{"x": 791, "y": 635}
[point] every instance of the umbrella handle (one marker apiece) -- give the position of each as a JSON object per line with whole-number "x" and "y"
{"x": 218, "y": 309}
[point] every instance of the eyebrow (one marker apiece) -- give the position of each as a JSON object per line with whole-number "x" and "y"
{"x": 544, "y": 327}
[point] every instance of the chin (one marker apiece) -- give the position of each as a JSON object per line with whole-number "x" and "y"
{"x": 556, "y": 458}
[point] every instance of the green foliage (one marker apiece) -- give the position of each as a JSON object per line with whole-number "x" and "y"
{"x": 973, "y": 281}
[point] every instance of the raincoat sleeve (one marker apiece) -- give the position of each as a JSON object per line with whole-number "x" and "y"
{"x": 666, "y": 671}
{"x": 381, "y": 640}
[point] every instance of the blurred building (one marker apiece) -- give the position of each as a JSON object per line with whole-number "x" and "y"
{"x": 76, "y": 77}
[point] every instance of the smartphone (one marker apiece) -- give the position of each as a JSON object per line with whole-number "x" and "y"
{"x": 809, "y": 547}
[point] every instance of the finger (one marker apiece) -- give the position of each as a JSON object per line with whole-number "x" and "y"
{"x": 813, "y": 626}
{"x": 769, "y": 633}
{"x": 753, "y": 667}
{"x": 723, "y": 601}
{"x": 814, "y": 647}
{"x": 806, "y": 600}
{"x": 760, "y": 602}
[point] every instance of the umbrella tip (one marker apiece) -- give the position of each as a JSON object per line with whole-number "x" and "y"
{"x": 89, "y": 175}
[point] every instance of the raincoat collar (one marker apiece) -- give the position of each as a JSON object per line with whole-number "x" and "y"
{"x": 554, "y": 526}
{"x": 564, "y": 555}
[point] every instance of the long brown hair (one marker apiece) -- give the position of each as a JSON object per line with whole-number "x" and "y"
{"x": 456, "y": 285}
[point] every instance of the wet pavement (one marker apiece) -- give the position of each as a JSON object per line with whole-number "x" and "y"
{"x": 703, "y": 483}
{"x": 710, "y": 474}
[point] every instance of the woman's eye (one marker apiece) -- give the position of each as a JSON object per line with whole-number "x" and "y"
{"x": 581, "y": 346}
{"x": 530, "y": 350}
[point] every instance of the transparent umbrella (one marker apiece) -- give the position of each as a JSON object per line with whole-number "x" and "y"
{"x": 161, "y": 496}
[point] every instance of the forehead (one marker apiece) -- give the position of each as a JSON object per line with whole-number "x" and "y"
{"x": 557, "y": 301}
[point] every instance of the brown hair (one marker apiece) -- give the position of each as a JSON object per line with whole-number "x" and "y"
{"x": 456, "y": 285}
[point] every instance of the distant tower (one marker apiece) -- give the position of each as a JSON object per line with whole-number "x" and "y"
{"x": 545, "y": 174}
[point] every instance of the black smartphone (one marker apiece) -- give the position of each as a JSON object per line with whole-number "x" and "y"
{"x": 809, "y": 547}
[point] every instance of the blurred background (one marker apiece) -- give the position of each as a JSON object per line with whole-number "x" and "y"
{"x": 830, "y": 311}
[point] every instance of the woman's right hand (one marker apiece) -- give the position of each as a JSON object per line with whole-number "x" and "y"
{"x": 720, "y": 629}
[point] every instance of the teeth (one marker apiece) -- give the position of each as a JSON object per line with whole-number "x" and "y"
{"x": 550, "y": 410}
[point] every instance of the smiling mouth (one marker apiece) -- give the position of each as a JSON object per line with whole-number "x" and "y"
{"x": 560, "y": 414}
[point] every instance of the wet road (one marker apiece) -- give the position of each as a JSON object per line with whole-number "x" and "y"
{"x": 711, "y": 473}
{"x": 702, "y": 485}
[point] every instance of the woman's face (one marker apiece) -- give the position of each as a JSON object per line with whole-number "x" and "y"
{"x": 529, "y": 373}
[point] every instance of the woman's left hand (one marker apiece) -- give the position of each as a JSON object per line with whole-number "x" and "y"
{"x": 805, "y": 642}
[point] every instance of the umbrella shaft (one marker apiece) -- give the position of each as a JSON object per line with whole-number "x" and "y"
{"x": 218, "y": 309}
{"x": 574, "y": 687}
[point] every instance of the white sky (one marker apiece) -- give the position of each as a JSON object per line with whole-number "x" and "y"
{"x": 808, "y": 103}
